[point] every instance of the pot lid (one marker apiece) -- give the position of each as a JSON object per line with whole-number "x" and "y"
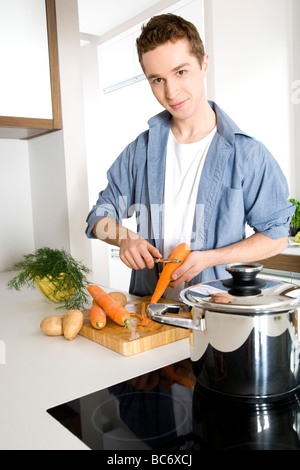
{"x": 244, "y": 293}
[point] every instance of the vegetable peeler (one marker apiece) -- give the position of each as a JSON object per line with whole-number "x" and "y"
{"x": 167, "y": 260}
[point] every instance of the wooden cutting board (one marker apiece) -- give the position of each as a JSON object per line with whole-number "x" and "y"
{"x": 129, "y": 341}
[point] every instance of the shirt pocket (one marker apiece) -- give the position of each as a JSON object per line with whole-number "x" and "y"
{"x": 230, "y": 216}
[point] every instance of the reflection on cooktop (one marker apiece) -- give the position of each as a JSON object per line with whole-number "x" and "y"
{"x": 150, "y": 412}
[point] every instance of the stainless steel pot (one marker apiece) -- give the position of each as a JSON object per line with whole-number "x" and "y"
{"x": 245, "y": 333}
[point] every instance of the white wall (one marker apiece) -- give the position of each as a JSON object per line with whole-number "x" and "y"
{"x": 251, "y": 51}
{"x": 73, "y": 127}
{"x": 16, "y": 226}
{"x": 94, "y": 152}
{"x": 48, "y": 190}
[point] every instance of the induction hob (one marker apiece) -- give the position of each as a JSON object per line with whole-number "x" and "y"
{"x": 152, "y": 413}
{"x": 148, "y": 412}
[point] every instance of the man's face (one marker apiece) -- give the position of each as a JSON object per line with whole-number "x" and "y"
{"x": 176, "y": 78}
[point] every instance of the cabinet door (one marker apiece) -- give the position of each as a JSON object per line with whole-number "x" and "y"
{"x": 29, "y": 79}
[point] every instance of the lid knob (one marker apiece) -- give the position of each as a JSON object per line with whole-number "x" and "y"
{"x": 243, "y": 281}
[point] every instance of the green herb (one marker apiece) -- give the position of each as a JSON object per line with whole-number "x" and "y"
{"x": 59, "y": 267}
{"x": 295, "y": 222}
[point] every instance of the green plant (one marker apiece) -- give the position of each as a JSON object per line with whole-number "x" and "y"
{"x": 56, "y": 268}
{"x": 295, "y": 222}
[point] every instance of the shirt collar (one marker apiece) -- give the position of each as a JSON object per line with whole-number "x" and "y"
{"x": 226, "y": 127}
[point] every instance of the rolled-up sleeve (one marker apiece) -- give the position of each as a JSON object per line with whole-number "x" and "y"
{"x": 266, "y": 195}
{"x": 115, "y": 199}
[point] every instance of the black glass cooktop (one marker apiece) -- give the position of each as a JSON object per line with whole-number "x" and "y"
{"x": 150, "y": 412}
{"x": 156, "y": 413}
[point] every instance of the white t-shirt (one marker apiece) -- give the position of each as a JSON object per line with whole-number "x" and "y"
{"x": 184, "y": 165}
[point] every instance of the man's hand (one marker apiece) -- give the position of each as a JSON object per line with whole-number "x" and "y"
{"x": 135, "y": 251}
{"x": 191, "y": 267}
{"x": 256, "y": 247}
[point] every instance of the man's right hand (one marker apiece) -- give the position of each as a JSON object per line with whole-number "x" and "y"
{"x": 135, "y": 251}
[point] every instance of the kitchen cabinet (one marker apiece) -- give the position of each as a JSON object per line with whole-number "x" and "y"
{"x": 287, "y": 261}
{"x": 29, "y": 83}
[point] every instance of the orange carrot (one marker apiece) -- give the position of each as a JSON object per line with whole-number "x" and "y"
{"x": 97, "y": 316}
{"x": 145, "y": 320}
{"x": 180, "y": 252}
{"x": 143, "y": 310}
{"x": 113, "y": 309}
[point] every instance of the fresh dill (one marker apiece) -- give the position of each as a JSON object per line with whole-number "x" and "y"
{"x": 57, "y": 266}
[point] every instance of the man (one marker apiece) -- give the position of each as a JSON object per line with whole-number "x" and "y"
{"x": 193, "y": 177}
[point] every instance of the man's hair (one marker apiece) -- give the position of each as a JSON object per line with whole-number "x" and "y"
{"x": 168, "y": 27}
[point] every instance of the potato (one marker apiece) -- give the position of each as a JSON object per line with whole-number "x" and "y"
{"x": 72, "y": 323}
{"x": 52, "y": 325}
{"x": 119, "y": 297}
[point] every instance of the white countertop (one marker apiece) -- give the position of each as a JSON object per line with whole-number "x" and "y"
{"x": 293, "y": 248}
{"x": 39, "y": 372}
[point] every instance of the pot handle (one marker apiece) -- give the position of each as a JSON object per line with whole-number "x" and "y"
{"x": 293, "y": 292}
{"x": 157, "y": 313}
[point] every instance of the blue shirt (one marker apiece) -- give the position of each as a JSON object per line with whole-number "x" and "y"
{"x": 240, "y": 182}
